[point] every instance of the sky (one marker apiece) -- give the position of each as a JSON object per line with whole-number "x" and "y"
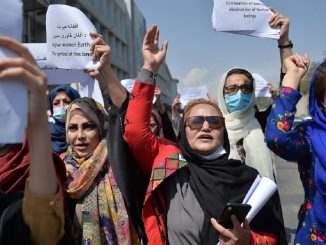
{"x": 198, "y": 55}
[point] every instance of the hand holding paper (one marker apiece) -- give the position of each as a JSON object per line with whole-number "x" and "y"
{"x": 68, "y": 38}
{"x": 246, "y": 17}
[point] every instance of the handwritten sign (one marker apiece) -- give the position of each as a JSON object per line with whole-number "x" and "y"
{"x": 68, "y": 39}
{"x": 56, "y": 75}
{"x": 261, "y": 86}
{"x": 13, "y": 94}
{"x": 191, "y": 93}
{"x": 246, "y": 17}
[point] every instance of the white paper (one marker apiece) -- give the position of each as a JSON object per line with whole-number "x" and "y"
{"x": 191, "y": 93}
{"x": 91, "y": 89}
{"x": 129, "y": 85}
{"x": 68, "y": 39}
{"x": 13, "y": 94}
{"x": 258, "y": 195}
{"x": 246, "y": 17}
{"x": 56, "y": 75}
{"x": 261, "y": 86}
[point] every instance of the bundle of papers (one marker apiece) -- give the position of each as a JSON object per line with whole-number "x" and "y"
{"x": 258, "y": 195}
{"x": 245, "y": 17}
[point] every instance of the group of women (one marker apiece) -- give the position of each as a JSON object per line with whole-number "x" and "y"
{"x": 118, "y": 180}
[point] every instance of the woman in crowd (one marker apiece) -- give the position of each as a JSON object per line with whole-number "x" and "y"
{"x": 58, "y": 100}
{"x": 100, "y": 214}
{"x": 190, "y": 183}
{"x": 305, "y": 144}
{"x": 236, "y": 98}
{"x": 42, "y": 206}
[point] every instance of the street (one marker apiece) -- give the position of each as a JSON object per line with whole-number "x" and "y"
{"x": 291, "y": 192}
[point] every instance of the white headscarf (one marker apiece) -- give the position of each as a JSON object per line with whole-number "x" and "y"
{"x": 243, "y": 124}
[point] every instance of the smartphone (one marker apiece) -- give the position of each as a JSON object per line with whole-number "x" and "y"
{"x": 237, "y": 209}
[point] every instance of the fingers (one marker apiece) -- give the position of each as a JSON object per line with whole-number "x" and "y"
{"x": 17, "y": 47}
{"x": 98, "y": 46}
{"x": 99, "y": 50}
{"x": 224, "y": 233}
{"x": 165, "y": 47}
{"x": 157, "y": 37}
{"x": 35, "y": 84}
{"x": 246, "y": 224}
{"x": 150, "y": 35}
{"x": 6, "y": 63}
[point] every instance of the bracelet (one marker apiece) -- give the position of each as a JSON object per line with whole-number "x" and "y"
{"x": 289, "y": 45}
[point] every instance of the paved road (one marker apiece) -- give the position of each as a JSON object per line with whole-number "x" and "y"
{"x": 291, "y": 193}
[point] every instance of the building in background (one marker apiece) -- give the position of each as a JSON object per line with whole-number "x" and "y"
{"x": 123, "y": 27}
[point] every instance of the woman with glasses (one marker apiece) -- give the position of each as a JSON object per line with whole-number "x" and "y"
{"x": 190, "y": 182}
{"x": 236, "y": 99}
{"x": 304, "y": 144}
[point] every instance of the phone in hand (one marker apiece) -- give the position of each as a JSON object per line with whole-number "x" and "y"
{"x": 237, "y": 209}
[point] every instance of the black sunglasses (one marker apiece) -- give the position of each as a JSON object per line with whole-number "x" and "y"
{"x": 233, "y": 89}
{"x": 196, "y": 122}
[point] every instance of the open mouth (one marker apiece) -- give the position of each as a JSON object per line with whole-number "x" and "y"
{"x": 205, "y": 137}
{"x": 81, "y": 146}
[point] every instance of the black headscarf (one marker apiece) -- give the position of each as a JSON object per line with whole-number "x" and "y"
{"x": 222, "y": 180}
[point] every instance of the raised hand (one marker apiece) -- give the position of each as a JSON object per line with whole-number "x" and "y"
{"x": 108, "y": 81}
{"x": 279, "y": 20}
{"x": 296, "y": 67}
{"x": 26, "y": 70}
{"x": 152, "y": 54}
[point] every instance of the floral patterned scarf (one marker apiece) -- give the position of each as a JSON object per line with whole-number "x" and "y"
{"x": 100, "y": 214}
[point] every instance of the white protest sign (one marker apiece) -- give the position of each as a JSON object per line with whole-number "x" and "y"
{"x": 246, "y": 17}
{"x": 13, "y": 94}
{"x": 129, "y": 85}
{"x": 68, "y": 38}
{"x": 91, "y": 89}
{"x": 191, "y": 93}
{"x": 55, "y": 75}
{"x": 261, "y": 86}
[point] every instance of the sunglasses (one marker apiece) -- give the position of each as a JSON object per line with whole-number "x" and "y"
{"x": 233, "y": 89}
{"x": 196, "y": 122}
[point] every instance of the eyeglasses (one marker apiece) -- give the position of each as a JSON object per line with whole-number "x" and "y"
{"x": 196, "y": 122}
{"x": 233, "y": 89}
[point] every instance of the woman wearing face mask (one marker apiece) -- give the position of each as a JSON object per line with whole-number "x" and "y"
{"x": 58, "y": 100}
{"x": 236, "y": 99}
{"x": 304, "y": 144}
{"x": 190, "y": 182}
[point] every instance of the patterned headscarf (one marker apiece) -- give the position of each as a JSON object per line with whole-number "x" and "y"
{"x": 100, "y": 214}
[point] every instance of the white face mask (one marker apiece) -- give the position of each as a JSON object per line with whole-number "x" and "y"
{"x": 60, "y": 113}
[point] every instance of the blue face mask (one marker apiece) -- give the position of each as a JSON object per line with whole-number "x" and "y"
{"x": 238, "y": 101}
{"x": 60, "y": 113}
